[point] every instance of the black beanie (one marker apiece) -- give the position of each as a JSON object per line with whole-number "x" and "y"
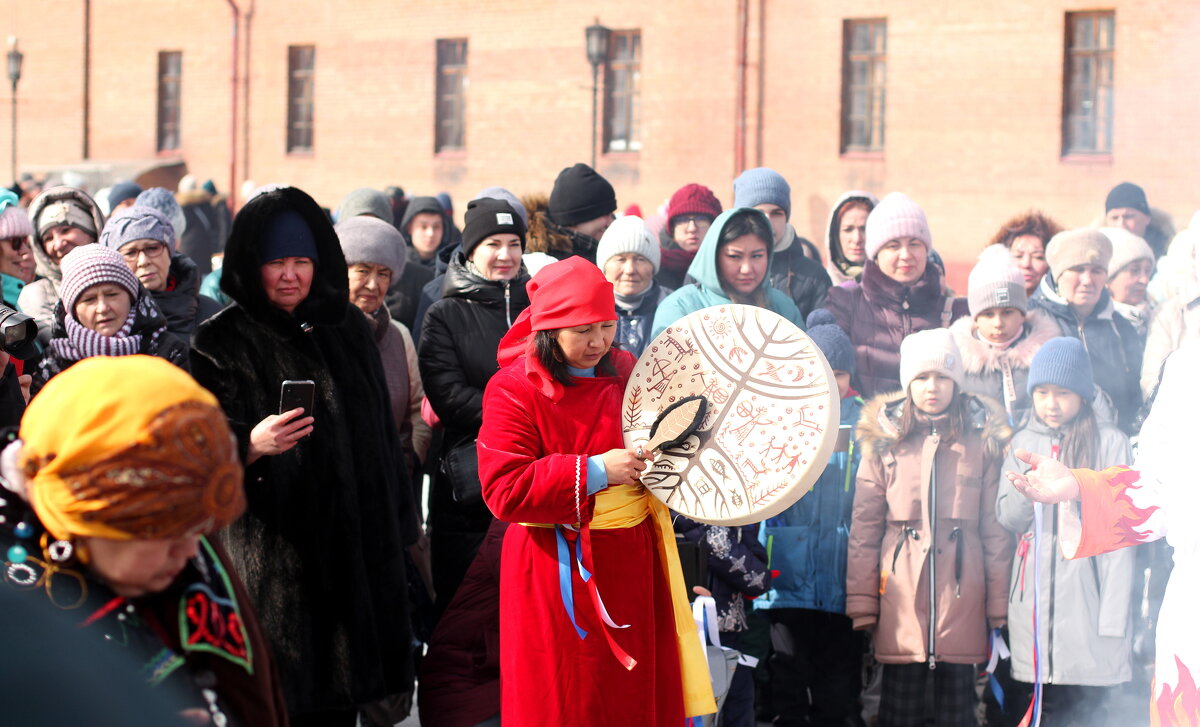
{"x": 486, "y": 217}
{"x": 1127, "y": 195}
{"x": 579, "y": 195}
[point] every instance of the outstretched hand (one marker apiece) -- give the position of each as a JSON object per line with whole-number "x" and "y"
{"x": 1048, "y": 480}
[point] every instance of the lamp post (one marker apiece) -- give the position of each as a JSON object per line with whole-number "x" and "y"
{"x": 15, "y": 57}
{"x": 597, "y": 53}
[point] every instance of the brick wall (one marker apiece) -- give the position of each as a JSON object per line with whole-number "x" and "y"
{"x": 973, "y": 106}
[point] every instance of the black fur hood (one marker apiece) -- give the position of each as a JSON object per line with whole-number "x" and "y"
{"x": 329, "y": 296}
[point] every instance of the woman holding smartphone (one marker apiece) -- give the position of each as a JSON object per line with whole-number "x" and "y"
{"x": 330, "y": 597}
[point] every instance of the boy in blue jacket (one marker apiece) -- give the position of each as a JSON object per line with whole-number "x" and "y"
{"x": 815, "y": 668}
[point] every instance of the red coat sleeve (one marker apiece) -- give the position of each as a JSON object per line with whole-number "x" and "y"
{"x": 520, "y": 481}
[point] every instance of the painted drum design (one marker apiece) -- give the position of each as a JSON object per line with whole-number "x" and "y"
{"x": 772, "y": 420}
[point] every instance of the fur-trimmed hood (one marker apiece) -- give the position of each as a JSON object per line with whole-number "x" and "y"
{"x": 879, "y": 427}
{"x": 979, "y": 357}
{"x": 329, "y": 296}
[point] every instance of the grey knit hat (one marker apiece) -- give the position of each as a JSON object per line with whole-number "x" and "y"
{"x": 628, "y": 234}
{"x": 762, "y": 185}
{"x": 137, "y": 223}
{"x": 370, "y": 240}
{"x": 995, "y": 282}
{"x": 163, "y": 201}
{"x": 366, "y": 201}
{"x": 65, "y": 206}
{"x": 1127, "y": 248}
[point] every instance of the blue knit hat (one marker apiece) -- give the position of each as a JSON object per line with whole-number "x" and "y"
{"x": 762, "y": 185}
{"x": 832, "y": 340}
{"x": 1063, "y": 362}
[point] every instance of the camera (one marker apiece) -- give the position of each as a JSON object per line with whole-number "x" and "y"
{"x": 18, "y": 334}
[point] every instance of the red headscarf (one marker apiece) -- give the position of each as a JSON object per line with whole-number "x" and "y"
{"x": 562, "y": 295}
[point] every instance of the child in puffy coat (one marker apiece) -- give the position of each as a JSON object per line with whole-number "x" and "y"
{"x": 1083, "y": 604}
{"x": 928, "y": 562}
{"x": 816, "y": 659}
{"x": 1000, "y": 337}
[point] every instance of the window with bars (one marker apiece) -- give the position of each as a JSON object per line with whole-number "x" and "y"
{"x": 450, "y": 130}
{"x": 170, "y": 73}
{"x": 301, "y": 62}
{"x": 1088, "y": 83}
{"x": 622, "y": 91}
{"x": 864, "y": 84}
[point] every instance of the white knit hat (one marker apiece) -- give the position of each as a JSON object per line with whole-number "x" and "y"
{"x": 896, "y": 216}
{"x": 1126, "y": 248}
{"x": 931, "y": 350}
{"x": 628, "y": 234}
{"x": 995, "y": 282}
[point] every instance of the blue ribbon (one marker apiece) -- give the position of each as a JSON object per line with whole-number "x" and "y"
{"x": 564, "y": 576}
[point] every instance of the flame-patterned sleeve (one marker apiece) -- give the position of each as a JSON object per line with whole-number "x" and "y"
{"x": 1118, "y": 508}
{"x": 1123, "y": 506}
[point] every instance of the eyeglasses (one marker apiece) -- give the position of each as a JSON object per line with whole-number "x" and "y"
{"x": 698, "y": 219}
{"x": 152, "y": 249}
{"x": 17, "y": 243}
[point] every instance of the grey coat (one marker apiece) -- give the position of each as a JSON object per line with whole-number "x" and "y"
{"x": 1086, "y": 634}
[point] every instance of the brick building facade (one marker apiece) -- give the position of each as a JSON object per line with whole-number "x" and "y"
{"x": 968, "y": 111}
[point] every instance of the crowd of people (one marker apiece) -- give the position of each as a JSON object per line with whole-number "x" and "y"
{"x": 437, "y": 524}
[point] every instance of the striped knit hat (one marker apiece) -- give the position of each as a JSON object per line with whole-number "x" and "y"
{"x": 89, "y": 265}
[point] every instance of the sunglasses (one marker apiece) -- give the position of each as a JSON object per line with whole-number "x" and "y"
{"x": 16, "y": 243}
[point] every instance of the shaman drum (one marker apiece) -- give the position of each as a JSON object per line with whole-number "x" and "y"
{"x": 772, "y": 419}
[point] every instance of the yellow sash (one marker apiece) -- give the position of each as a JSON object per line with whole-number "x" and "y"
{"x": 624, "y": 506}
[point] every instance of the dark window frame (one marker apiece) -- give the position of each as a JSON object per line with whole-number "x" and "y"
{"x": 622, "y": 92}
{"x": 1089, "y": 47}
{"x": 450, "y": 101}
{"x": 864, "y": 85}
{"x": 301, "y": 91}
{"x": 170, "y": 100}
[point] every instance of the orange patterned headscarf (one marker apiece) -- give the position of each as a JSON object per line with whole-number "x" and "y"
{"x": 129, "y": 448}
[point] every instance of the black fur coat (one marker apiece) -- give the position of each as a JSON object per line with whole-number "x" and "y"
{"x": 320, "y": 546}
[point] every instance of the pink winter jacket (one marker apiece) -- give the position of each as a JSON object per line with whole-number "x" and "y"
{"x": 888, "y": 565}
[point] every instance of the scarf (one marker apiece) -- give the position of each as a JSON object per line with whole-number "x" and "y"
{"x": 82, "y": 342}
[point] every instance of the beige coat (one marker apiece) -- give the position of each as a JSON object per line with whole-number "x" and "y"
{"x": 888, "y": 568}
{"x": 1175, "y": 322}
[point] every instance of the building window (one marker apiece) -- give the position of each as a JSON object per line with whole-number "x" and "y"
{"x": 1088, "y": 83}
{"x": 450, "y": 131}
{"x": 622, "y": 92}
{"x": 864, "y": 84}
{"x": 301, "y": 59}
{"x": 170, "y": 71}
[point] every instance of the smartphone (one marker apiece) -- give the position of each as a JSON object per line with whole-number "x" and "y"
{"x": 843, "y": 441}
{"x": 297, "y": 395}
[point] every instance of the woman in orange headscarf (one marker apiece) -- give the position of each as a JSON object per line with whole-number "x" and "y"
{"x": 617, "y": 645}
{"x": 123, "y": 466}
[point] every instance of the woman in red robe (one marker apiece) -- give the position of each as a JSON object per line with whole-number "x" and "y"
{"x": 594, "y": 622}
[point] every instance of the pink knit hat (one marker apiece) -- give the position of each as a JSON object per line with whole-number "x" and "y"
{"x": 894, "y": 217}
{"x": 14, "y": 222}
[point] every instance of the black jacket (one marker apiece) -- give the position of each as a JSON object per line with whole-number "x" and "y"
{"x": 800, "y": 277}
{"x": 183, "y": 305}
{"x": 459, "y": 337}
{"x": 148, "y": 322}
{"x": 321, "y": 545}
{"x": 1112, "y": 343}
{"x": 201, "y": 238}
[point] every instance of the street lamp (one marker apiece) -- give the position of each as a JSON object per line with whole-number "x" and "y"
{"x": 597, "y": 53}
{"x": 15, "y": 57}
